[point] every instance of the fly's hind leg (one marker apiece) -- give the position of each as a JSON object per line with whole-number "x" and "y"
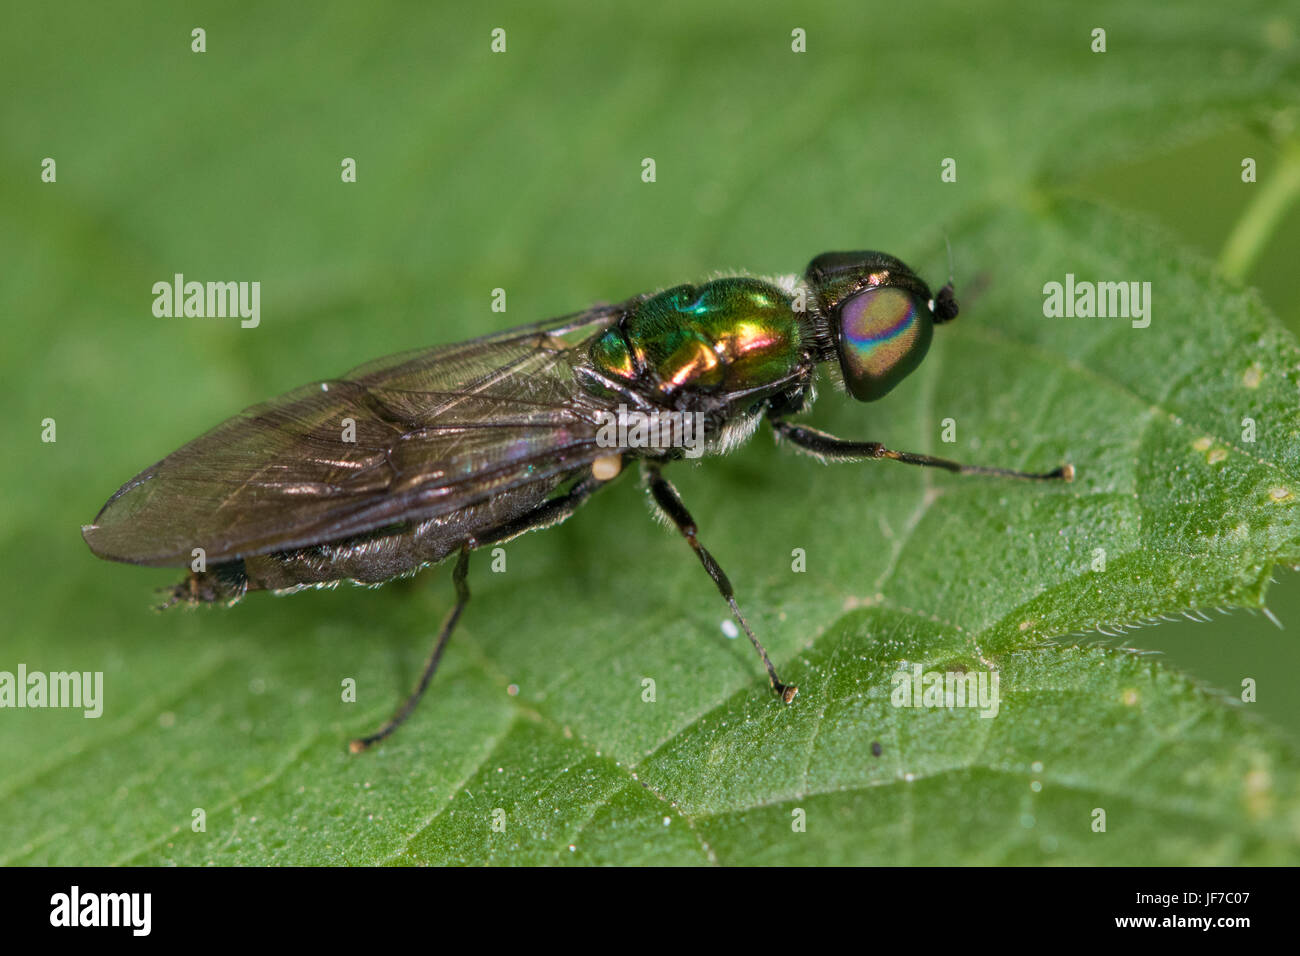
{"x": 670, "y": 503}
{"x": 458, "y": 579}
{"x": 547, "y": 513}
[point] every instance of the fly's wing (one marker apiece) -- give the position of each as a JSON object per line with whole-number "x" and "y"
{"x": 435, "y": 430}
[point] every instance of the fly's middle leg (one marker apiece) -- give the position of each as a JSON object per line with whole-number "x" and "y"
{"x": 670, "y": 503}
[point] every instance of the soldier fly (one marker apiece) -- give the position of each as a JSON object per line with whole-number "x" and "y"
{"x": 407, "y": 461}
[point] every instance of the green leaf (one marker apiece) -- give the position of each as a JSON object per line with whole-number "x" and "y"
{"x": 522, "y": 172}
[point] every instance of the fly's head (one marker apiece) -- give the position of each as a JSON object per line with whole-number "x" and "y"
{"x": 881, "y": 317}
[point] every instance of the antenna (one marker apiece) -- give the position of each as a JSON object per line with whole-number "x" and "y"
{"x": 944, "y": 305}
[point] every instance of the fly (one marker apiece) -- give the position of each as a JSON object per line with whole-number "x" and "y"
{"x": 414, "y": 459}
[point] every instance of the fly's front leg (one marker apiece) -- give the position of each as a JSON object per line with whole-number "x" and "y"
{"x": 829, "y": 448}
{"x": 670, "y": 503}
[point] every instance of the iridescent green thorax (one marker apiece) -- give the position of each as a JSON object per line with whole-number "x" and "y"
{"x": 730, "y": 334}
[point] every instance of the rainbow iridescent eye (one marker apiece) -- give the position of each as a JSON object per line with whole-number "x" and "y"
{"x": 884, "y": 334}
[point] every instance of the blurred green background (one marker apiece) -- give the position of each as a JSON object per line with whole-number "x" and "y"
{"x": 522, "y": 170}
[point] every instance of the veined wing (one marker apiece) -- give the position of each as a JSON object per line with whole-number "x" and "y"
{"x": 434, "y": 430}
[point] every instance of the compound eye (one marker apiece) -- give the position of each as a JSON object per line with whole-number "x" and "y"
{"x": 884, "y": 334}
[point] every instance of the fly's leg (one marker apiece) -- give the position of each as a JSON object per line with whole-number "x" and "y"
{"x": 829, "y": 448}
{"x": 670, "y": 503}
{"x": 431, "y": 665}
{"x": 549, "y": 512}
